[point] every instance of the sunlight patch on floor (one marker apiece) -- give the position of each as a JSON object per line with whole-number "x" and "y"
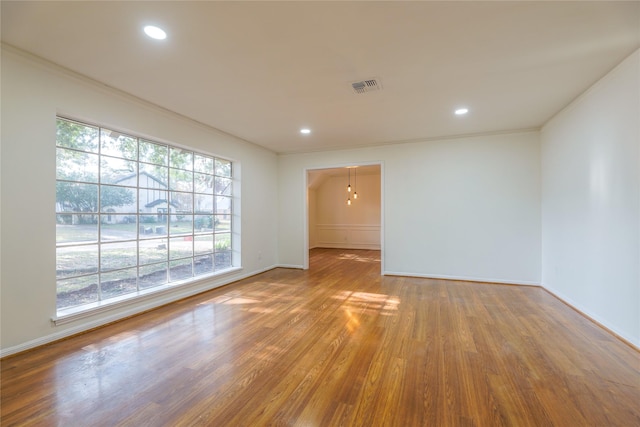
{"x": 359, "y": 258}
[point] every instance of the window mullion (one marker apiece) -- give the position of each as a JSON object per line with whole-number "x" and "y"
{"x": 99, "y": 208}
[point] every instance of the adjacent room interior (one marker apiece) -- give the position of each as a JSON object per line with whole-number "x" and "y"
{"x": 181, "y": 241}
{"x": 343, "y": 212}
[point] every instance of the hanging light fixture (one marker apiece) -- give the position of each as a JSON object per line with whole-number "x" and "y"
{"x": 349, "y": 188}
{"x": 355, "y": 183}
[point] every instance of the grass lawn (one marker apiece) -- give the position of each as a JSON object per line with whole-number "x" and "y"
{"x": 119, "y": 249}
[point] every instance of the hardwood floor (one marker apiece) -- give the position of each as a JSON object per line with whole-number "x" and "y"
{"x": 336, "y": 345}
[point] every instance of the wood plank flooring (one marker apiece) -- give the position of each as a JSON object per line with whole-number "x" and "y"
{"x": 338, "y": 345}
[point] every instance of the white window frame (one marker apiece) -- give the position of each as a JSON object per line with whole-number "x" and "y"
{"x": 72, "y": 312}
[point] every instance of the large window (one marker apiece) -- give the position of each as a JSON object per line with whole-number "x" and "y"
{"x": 133, "y": 214}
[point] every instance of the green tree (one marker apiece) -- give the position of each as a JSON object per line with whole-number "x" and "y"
{"x": 77, "y": 136}
{"x": 115, "y": 196}
{"x": 83, "y": 199}
{"x": 114, "y": 143}
{"x": 153, "y": 153}
{"x": 223, "y": 168}
{"x": 75, "y": 162}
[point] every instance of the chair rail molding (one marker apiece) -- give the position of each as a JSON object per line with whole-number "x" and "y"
{"x": 348, "y": 236}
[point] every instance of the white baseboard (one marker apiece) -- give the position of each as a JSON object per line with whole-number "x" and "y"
{"x": 295, "y": 266}
{"x": 136, "y": 307}
{"x": 90, "y": 325}
{"x": 592, "y": 317}
{"x": 462, "y": 278}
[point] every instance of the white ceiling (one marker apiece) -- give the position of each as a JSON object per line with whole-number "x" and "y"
{"x": 262, "y": 70}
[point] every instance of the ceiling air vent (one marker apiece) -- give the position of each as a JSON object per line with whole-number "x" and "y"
{"x": 364, "y": 86}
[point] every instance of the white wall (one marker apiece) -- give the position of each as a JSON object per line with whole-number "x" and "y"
{"x": 590, "y": 201}
{"x": 458, "y": 208}
{"x": 33, "y": 92}
{"x": 338, "y": 225}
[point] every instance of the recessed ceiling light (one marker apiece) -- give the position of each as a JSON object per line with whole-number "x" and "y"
{"x": 461, "y": 111}
{"x": 305, "y": 131}
{"x": 155, "y": 32}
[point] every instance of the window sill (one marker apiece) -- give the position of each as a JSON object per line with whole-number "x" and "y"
{"x": 72, "y": 314}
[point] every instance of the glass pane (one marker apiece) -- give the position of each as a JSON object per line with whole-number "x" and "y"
{"x": 223, "y": 168}
{"x": 76, "y": 197}
{"x": 151, "y": 251}
{"x": 76, "y": 228}
{"x": 76, "y": 166}
{"x": 203, "y": 183}
{"x": 222, "y": 223}
{"x": 153, "y": 153}
{"x": 180, "y": 247}
{"x": 78, "y": 291}
{"x": 116, "y": 144}
{"x": 181, "y": 224}
{"x": 202, "y": 164}
{"x": 118, "y": 227}
{"x": 75, "y": 135}
{"x": 223, "y": 205}
{"x": 181, "y": 159}
{"x": 153, "y": 202}
{"x": 203, "y": 223}
{"x": 203, "y": 244}
{"x": 153, "y": 225}
{"x": 180, "y": 180}
{"x": 223, "y": 242}
{"x": 180, "y": 269}
{"x": 114, "y": 256}
{"x": 76, "y": 260}
{"x": 203, "y": 203}
{"x": 119, "y": 283}
{"x": 223, "y": 186}
{"x": 152, "y": 176}
{"x": 118, "y": 171}
{"x": 181, "y": 203}
{"x": 203, "y": 265}
{"x": 152, "y": 275}
{"x": 118, "y": 199}
{"x": 222, "y": 260}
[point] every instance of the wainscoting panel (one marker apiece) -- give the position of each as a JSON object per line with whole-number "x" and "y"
{"x": 348, "y": 236}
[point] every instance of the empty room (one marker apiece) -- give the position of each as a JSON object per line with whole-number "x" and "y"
{"x": 230, "y": 213}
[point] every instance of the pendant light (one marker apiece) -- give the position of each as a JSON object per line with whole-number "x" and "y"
{"x": 349, "y": 189}
{"x": 355, "y": 183}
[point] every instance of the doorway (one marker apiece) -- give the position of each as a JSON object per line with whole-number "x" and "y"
{"x": 340, "y": 219}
